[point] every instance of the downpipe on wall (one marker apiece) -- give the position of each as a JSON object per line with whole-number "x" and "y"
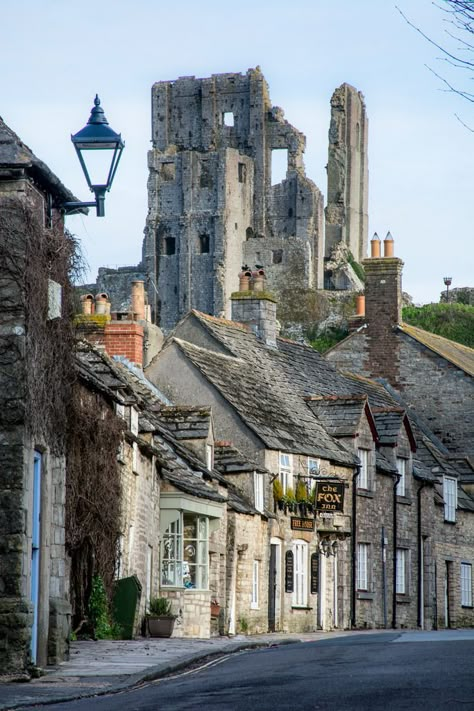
{"x": 353, "y": 545}
{"x": 394, "y": 554}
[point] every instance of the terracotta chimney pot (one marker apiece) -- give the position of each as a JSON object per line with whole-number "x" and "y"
{"x": 244, "y": 280}
{"x": 375, "y": 246}
{"x": 259, "y": 280}
{"x": 87, "y": 303}
{"x": 360, "y": 305}
{"x": 388, "y": 246}
{"x": 101, "y": 303}
{"x": 138, "y": 299}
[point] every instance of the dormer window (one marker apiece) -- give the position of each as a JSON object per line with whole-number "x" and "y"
{"x": 134, "y": 421}
{"x": 363, "y": 480}
{"x": 286, "y": 471}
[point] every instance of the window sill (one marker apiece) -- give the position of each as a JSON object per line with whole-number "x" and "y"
{"x": 406, "y": 500}
{"x": 301, "y": 607}
{"x": 182, "y": 588}
{"x": 254, "y": 606}
{"x": 467, "y": 607}
{"x": 451, "y": 523}
{"x": 365, "y": 492}
{"x": 361, "y": 595}
{"x": 403, "y": 599}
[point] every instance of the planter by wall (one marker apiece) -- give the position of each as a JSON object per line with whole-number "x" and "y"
{"x": 161, "y": 626}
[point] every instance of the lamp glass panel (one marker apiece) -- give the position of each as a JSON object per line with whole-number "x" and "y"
{"x": 98, "y": 163}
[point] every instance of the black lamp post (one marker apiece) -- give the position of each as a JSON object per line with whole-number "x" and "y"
{"x": 95, "y": 137}
{"x": 447, "y": 281}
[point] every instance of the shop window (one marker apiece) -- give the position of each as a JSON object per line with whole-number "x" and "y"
{"x": 300, "y": 590}
{"x": 203, "y": 244}
{"x": 184, "y": 559}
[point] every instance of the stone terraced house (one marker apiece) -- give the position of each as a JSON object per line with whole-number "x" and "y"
{"x": 380, "y": 562}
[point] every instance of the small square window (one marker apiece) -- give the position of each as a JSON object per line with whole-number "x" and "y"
{"x": 277, "y": 256}
{"x": 203, "y": 244}
{"x": 228, "y": 118}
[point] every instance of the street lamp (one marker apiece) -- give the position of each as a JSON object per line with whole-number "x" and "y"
{"x": 447, "y": 281}
{"x": 91, "y": 143}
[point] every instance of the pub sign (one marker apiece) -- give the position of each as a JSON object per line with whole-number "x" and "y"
{"x": 330, "y": 496}
{"x": 302, "y": 524}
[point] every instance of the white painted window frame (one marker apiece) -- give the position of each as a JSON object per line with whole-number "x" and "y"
{"x": 401, "y": 577}
{"x": 363, "y": 556}
{"x": 258, "y": 483}
{"x": 285, "y": 471}
{"x": 254, "y": 602}
{"x": 402, "y": 470}
{"x": 300, "y": 587}
{"x": 363, "y": 478}
{"x": 209, "y": 457}
{"x": 466, "y": 584}
{"x": 450, "y": 497}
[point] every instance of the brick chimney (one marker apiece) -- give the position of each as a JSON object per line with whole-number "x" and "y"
{"x": 255, "y": 307}
{"x": 124, "y": 338}
{"x": 383, "y": 311}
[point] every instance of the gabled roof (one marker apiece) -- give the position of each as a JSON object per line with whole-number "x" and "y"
{"x": 265, "y": 401}
{"x": 14, "y": 154}
{"x": 456, "y": 353}
{"x": 389, "y": 421}
{"x": 341, "y": 415}
{"x": 230, "y": 460}
{"x": 187, "y": 421}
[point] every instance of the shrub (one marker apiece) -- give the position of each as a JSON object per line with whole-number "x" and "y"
{"x": 301, "y": 492}
{"x": 160, "y": 607}
{"x": 453, "y": 321}
{"x": 277, "y": 490}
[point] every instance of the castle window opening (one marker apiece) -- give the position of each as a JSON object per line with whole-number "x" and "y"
{"x": 277, "y": 256}
{"x": 242, "y": 173}
{"x": 290, "y": 212}
{"x": 169, "y": 246}
{"x": 228, "y": 118}
{"x": 203, "y": 244}
{"x": 167, "y": 172}
{"x": 279, "y": 165}
{"x": 249, "y": 233}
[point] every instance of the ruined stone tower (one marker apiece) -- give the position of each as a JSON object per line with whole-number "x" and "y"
{"x": 212, "y": 207}
{"x": 347, "y": 191}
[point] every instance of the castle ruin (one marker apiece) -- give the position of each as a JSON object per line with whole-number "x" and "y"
{"x": 213, "y": 207}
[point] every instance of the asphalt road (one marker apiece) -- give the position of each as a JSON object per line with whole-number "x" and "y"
{"x": 379, "y": 671}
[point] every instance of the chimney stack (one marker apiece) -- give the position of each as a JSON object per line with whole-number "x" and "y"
{"x": 138, "y": 300}
{"x": 255, "y": 307}
{"x": 383, "y": 311}
{"x": 375, "y": 246}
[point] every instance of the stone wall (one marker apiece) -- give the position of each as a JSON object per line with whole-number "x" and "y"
{"x": 347, "y": 191}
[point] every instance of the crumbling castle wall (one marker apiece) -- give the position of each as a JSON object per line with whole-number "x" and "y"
{"x": 347, "y": 189}
{"x": 212, "y": 206}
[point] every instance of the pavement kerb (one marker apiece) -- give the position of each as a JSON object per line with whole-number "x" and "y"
{"x": 153, "y": 673}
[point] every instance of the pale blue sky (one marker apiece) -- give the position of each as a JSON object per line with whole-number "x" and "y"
{"x": 56, "y": 54}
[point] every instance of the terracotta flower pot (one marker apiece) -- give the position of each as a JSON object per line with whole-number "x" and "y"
{"x": 215, "y": 610}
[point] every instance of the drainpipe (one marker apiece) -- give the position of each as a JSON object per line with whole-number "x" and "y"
{"x": 421, "y": 579}
{"x": 353, "y": 546}
{"x": 394, "y": 583}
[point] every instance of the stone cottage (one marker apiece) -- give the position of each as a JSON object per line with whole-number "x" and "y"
{"x": 35, "y": 356}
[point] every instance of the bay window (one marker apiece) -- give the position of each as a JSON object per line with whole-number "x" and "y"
{"x": 184, "y": 552}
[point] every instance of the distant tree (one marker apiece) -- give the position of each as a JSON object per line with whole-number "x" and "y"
{"x": 458, "y": 50}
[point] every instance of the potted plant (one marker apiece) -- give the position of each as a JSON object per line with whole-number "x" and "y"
{"x": 215, "y": 607}
{"x": 160, "y": 619}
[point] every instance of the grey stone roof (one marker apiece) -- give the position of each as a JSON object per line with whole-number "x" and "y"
{"x": 339, "y": 414}
{"x": 187, "y": 422}
{"x": 229, "y": 460}
{"x": 14, "y": 154}
{"x": 389, "y": 422}
{"x": 265, "y": 400}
